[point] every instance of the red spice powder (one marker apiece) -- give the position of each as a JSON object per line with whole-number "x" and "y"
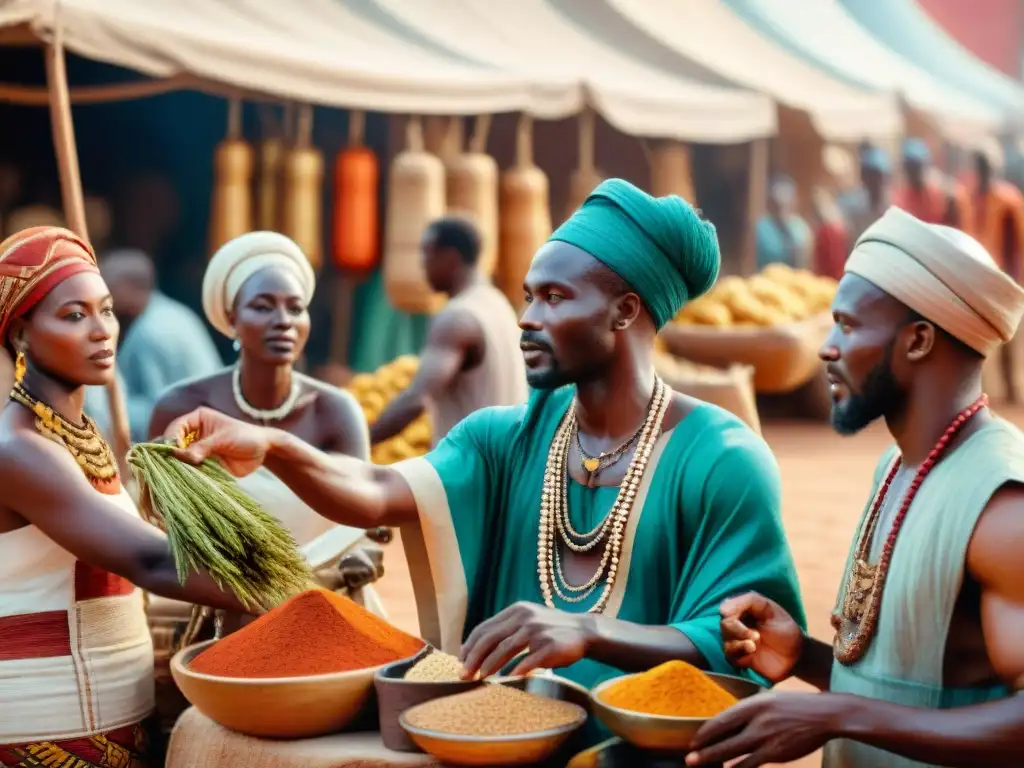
{"x": 314, "y": 633}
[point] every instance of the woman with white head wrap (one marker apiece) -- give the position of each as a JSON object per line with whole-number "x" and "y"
{"x": 257, "y": 290}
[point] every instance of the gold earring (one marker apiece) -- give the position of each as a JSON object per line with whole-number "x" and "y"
{"x": 19, "y": 367}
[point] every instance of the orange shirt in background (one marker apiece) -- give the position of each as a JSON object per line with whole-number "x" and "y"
{"x": 1000, "y": 214}
{"x": 931, "y": 204}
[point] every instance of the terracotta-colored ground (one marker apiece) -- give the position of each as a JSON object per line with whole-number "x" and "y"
{"x": 826, "y": 480}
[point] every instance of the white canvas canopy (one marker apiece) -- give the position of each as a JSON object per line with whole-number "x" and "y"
{"x": 314, "y": 51}
{"x": 824, "y": 33}
{"x": 710, "y": 34}
{"x": 905, "y": 28}
{"x": 534, "y": 40}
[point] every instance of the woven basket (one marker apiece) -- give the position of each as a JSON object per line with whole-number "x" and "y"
{"x": 784, "y": 357}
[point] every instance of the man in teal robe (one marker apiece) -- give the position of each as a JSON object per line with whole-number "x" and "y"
{"x": 705, "y": 523}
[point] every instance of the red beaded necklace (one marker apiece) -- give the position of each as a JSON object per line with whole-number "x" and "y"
{"x": 856, "y": 622}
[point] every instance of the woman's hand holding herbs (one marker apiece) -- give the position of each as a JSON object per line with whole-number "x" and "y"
{"x": 205, "y": 433}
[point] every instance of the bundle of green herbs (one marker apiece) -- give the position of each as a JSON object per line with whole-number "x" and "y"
{"x": 214, "y": 525}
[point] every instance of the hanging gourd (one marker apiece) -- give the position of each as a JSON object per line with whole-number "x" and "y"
{"x": 472, "y": 189}
{"x": 525, "y": 215}
{"x": 416, "y": 198}
{"x": 233, "y": 166}
{"x": 302, "y": 190}
{"x": 270, "y": 155}
{"x": 356, "y": 183}
{"x": 355, "y": 248}
{"x": 671, "y": 171}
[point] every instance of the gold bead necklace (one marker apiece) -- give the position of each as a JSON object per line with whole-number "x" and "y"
{"x": 555, "y": 528}
{"x": 84, "y": 443}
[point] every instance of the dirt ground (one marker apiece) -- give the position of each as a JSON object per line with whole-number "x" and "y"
{"x": 826, "y": 480}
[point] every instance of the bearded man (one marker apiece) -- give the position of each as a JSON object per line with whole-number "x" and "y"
{"x": 926, "y": 666}
{"x": 597, "y": 527}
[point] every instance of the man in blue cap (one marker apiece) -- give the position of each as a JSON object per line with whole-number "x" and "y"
{"x": 597, "y": 527}
{"x": 863, "y": 206}
{"x": 928, "y": 194}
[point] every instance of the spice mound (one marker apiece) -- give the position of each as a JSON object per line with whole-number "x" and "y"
{"x": 435, "y": 667}
{"x": 493, "y": 710}
{"x": 673, "y": 689}
{"x": 315, "y": 633}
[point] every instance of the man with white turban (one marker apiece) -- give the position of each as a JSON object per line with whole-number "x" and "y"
{"x": 926, "y": 667}
{"x": 999, "y": 225}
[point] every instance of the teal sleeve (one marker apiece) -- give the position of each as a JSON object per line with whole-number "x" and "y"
{"x": 737, "y": 541}
{"x": 472, "y": 464}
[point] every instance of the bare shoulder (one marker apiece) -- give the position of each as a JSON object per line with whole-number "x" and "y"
{"x": 26, "y": 457}
{"x": 340, "y": 421}
{"x": 184, "y": 397}
{"x": 455, "y": 324}
{"x": 994, "y": 552}
{"x": 331, "y": 401}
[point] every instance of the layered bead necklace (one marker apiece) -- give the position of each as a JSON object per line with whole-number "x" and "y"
{"x": 857, "y": 620}
{"x": 556, "y": 527}
{"x": 84, "y": 443}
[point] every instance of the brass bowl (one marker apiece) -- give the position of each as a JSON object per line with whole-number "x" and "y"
{"x": 551, "y": 686}
{"x": 520, "y": 749}
{"x": 274, "y": 707}
{"x": 659, "y": 732}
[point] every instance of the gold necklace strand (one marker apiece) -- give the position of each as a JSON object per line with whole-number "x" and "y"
{"x": 546, "y": 549}
{"x": 620, "y": 510}
{"x": 84, "y": 443}
{"x": 594, "y": 464}
{"x": 584, "y": 542}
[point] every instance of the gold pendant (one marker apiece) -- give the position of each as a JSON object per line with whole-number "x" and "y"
{"x": 591, "y": 465}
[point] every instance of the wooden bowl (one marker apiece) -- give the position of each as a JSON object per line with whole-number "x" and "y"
{"x": 659, "y": 732}
{"x": 784, "y": 357}
{"x": 520, "y": 749}
{"x": 395, "y": 695}
{"x": 276, "y": 707}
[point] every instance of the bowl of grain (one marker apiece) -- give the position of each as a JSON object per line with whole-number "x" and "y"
{"x": 492, "y": 725}
{"x": 428, "y": 675}
{"x": 663, "y": 708}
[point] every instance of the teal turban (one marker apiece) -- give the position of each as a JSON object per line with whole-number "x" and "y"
{"x": 660, "y": 246}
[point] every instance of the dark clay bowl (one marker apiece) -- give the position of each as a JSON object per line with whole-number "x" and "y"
{"x": 395, "y": 695}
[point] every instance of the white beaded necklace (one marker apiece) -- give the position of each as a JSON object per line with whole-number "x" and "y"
{"x": 555, "y": 528}
{"x": 275, "y": 414}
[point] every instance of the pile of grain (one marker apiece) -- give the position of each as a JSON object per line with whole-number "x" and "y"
{"x": 435, "y": 667}
{"x": 493, "y": 710}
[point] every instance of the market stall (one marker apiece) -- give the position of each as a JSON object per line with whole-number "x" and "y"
{"x": 825, "y": 34}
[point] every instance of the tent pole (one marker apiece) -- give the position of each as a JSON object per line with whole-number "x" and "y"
{"x": 757, "y": 191}
{"x": 74, "y": 208}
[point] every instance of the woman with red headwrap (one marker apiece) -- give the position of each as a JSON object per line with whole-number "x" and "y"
{"x": 76, "y": 659}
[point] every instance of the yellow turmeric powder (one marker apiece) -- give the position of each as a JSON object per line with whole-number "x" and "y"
{"x": 674, "y": 689}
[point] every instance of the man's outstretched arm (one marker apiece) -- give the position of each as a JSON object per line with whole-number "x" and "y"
{"x": 453, "y": 336}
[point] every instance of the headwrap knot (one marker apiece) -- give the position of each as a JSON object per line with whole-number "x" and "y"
{"x": 660, "y": 246}
{"x": 241, "y": 258}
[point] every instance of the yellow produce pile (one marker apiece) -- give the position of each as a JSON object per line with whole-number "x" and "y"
{"x": 778, "y": 294}
{"x": 374, "y": 391}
